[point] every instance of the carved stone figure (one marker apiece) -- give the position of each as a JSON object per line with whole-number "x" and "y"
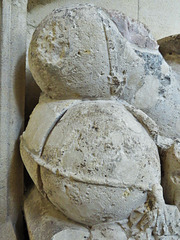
{"x": 90, "y": 153}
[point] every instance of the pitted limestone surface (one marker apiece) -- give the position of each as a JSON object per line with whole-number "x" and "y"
{"x": 94, "y": 160}
{"x": 68, "y": 53}
{"x": 96, "y": 150}
{"x": 85, "y": 52}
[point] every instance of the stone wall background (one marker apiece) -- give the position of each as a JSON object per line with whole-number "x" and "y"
{"x": 162, "y": 16}
{"x": 12, "y": 95}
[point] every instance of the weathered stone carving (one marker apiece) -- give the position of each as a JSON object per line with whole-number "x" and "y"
{"x": 90, "y": 153}
{"x": 90, "y": 159}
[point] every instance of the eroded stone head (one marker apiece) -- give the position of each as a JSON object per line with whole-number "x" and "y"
{"x": 85, "y": 52}
{"x": 69, "y": 53}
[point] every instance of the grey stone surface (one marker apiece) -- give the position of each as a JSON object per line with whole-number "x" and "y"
{"x": 12, "y": 82}
{"x": 72, "y": 234}
{"x": 13, "y": 15}
{"x": 7, "y": 231}
{"x": 150, "y": 85}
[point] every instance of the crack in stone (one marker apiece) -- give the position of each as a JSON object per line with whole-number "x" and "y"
{"x": 50, "y": 131}
{"x": 113, "y": 184}
{"x": 107, "y": 43}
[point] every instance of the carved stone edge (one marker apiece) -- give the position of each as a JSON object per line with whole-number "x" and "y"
{"x": 12, "y": 91}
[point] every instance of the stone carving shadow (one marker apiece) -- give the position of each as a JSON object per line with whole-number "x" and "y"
{"x": 33, "y": 3}
{"x": 32, "y": 95}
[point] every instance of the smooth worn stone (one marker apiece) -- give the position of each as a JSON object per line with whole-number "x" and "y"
{"x": 36, "y": 135}
{"x": 86, "y": 157}
{"x": 72, "y": 234}
{"x": 12, "y": 84}
{"x": 44, "y": 221}
{"x": 134, "y": 31}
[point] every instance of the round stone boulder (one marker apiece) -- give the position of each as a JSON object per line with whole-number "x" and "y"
{"x": 96, "y": 163}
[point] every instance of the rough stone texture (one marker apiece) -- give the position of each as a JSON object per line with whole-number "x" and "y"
{"x": 86, "y": 148}
{"x": 38, "y": 10}
{"x": 90, "y": 149}
{"x": 62, "y": 44}
{"x": 58, "y": 63}
{"x": 44, "y": 221}
{"x": 108, "y": 231}
{"x": 147, "y": 122}
{"x": 146, "y": 69}
{"x": 155, "y": 220}
{"x": 169, "y": 48}
{"x": 12, "y": 84}
{"x": 63, "y": 68}
{"x": 162, "y": 102}
{"x": 160, "y": 23}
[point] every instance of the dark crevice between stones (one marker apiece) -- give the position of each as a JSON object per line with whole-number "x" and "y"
{"x": 162, "y": 154}
{"x": 25, "y": 230}
{"x": 169, "y": 45}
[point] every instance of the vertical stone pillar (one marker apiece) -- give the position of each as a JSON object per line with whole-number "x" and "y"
{"x": 12, "y": 92}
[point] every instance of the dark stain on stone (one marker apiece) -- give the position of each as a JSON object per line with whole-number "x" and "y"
{"x": 165, "y": 81}
{"x": 153, "y": 62}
